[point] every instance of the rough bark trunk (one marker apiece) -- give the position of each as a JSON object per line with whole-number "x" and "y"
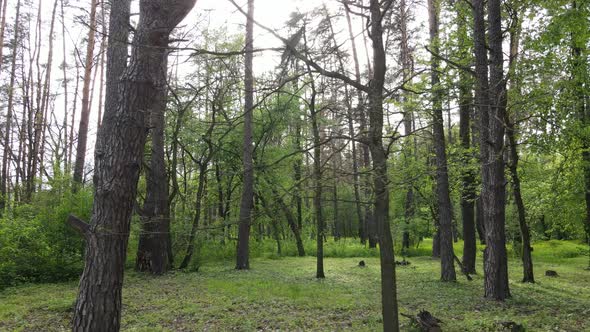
{"x": 467, "y": 177}
{"x": 466, "y": 137}
{"x": 154, "y": 241}
{"x": 246, "y": 202}
{"x": 493, "y": 179}
{"x": 118, "y": 158}
{"x": 380, "y": 177}
{"x": 442, "y": 176}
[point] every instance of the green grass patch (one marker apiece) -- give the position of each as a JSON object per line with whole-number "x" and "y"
{"x": 283, "y": 294}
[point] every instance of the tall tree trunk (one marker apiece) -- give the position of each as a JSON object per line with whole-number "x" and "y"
{"x": 317, "y": 181}
{"x": 406, "y": 62}
{"x": 85, "y": 113}
{"x": 154, "y": 240}
{"x": 468, "y": 185}
{"x": 118, "y": 158}
{"x": 365, "y": 155}
{"x": 9, "y": 112}
{"x": 442, "y": 175}
{"x": 468, "y": 195}
{"x": 246, "y": 201}
{"x": 527, "y": 260}
{"x": 493, "y": 179}
{"x": 46, "y": 94}
{"x": 380, "y": 177}
{"x": 580, "y": 74}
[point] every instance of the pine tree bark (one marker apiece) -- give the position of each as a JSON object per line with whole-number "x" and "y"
{"x": 492, "y": 145}
{"x": 247, "y": 199}
{"x": 154, "y": 240}
{"x": 442, "y": 176}
{"x": 380, "y": 176}
{"x": 468, "y": 176}
{"x": 118, "y": 158}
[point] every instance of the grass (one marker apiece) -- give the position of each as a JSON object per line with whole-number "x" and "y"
{"x": 282, "y": 293}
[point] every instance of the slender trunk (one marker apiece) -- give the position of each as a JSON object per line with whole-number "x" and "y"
{"x": 64, "y": 69}
{"x": 246, "y": 202}
{"x": 580, "y": 74}
{"x": 85, "y": 113}
{"x": 365, "y": 155}
{"x": 46, "y": 92}
{"x": 198, "y": 202}
{"x": 380, "y": 176}
{"x": 442, "y": 176}
{"x": 317, "y": 182}
{"x": 103, "y": 46}
{"x": 468, "y": 175}
{"x": 2, "y": 28}
{"x": 9, "y": 112}
{"x": 468, "y": 195}
{"x": 406, "y": 62}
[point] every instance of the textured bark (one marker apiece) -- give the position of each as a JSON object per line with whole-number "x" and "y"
{"x": 85, "y": 113}
{"x": 468, "y": 176}
{"x": 442, "y": 176}
{"x": 493, "y": 179}
{"x": 118, "y": 158}
{"x": 246, "y": 201}
{"x": 380, "y": 177}
{"x": 154, "y": 240}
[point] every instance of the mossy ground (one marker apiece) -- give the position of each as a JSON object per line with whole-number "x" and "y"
{"x": 282, "y": 294}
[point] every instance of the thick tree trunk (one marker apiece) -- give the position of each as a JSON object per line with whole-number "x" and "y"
{"x": 118, "y": 158}
{"x": 442, "y": 175}
{"x": 493, "y": 179}
{"x": 154, "y": 241}
{"x": 85, "y": 114}
{"x": 246, "y": 202}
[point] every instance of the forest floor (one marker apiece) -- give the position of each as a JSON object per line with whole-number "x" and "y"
{"x": 282, "y": 294}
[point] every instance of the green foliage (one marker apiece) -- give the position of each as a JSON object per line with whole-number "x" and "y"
{"x": 36, "y": 243}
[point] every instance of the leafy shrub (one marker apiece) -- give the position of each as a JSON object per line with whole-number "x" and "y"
{"x": 37, "y": 245}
